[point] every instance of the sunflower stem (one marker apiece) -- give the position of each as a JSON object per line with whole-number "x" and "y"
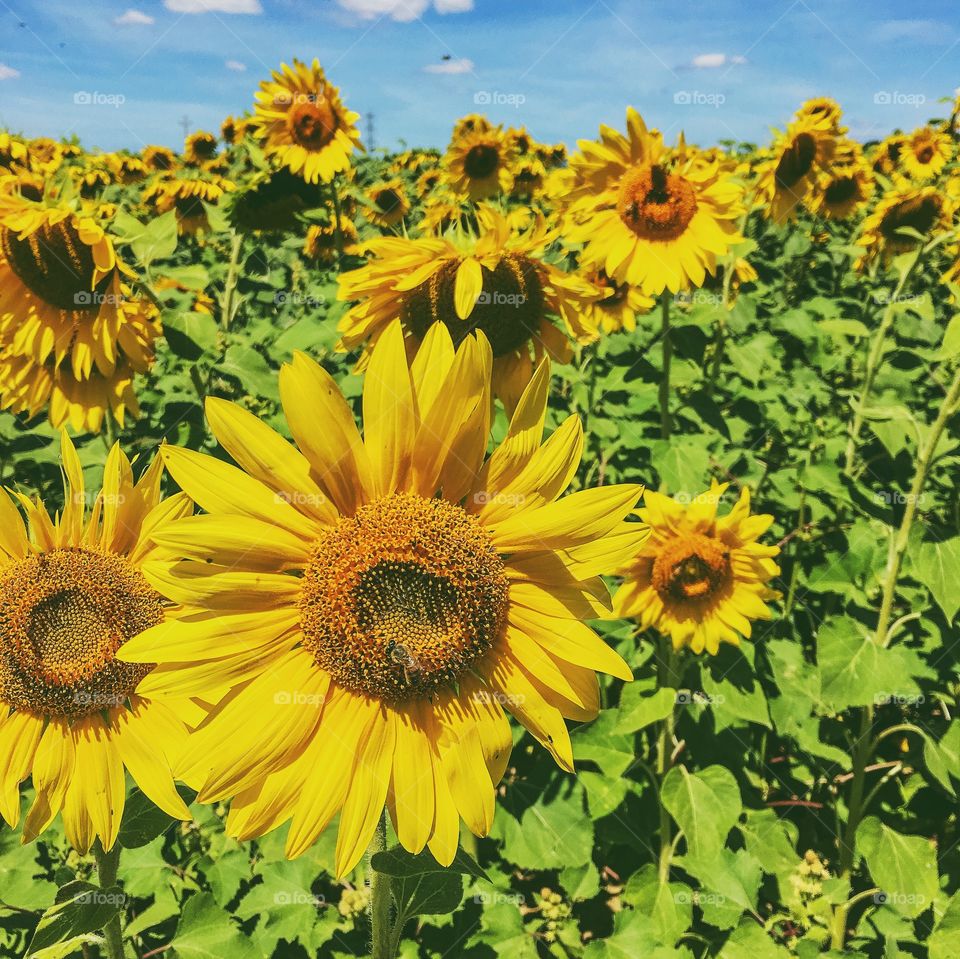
{"x": 108, "y": 864}
{"x": 667, "y": 347}
{"x": 865, "y": 740}
{"x": 383, "y": 945}
{"x": 666, "y": 679}
{"x": 337, "y": 217}
{"x": 229, "y": 289}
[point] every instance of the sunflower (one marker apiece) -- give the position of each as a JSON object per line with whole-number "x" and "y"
{"x": 72, "y": 333}
{"x": 45, "y": 155}
{"x": 428, "y": 181}
{"x": 376, "y": 602}
{"x": 72, "y": 592}
{"x": 199, "y": 147}
{"x": 886, "y": 155}
{"x": 797, "y": 158}
{"x": 93, "y": 180}
{"x": 389, "y": 203}
{"x": 128, "y": 169}
{"x": 23, "y": 183}
{"x": 647, "y": 221}
{"x": 272, "y": 201}
{"x": 233, "y": 130}
{"x": 621, "y": 306}
{"x": 187, "y": 195}
{"x": 925, "y": 153}
{"x": 823, "y": 109}
{"x": 471, "y": 123}
{"x": 320, "y": 243}
{"x": 445, "y": 211}
{"x": 922, "y": 209}
{"x": 842, "y": 190}
{"x": 497, "y": 283}
{"x": 699, "y": 579}
{"x": 479, "y": 164}
{"x": 13, "y": 151}
{"x": 159, "y": 159}
{"x": 529, "y": 174}
{"x": 304, "y": 124}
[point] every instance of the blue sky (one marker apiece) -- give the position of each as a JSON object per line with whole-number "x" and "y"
{"x": 715, "y": 70}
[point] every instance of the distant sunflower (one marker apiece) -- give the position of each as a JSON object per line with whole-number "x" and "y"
{"x": 797, "y": 158}
{"x": 273, "y": 201}
{"x": 479, "y": 164}
{"x": 844, "y": 189}
{"x": 700, "y": 578}
{"x": 886, "y": 155}
{"x": 320, "y": 243}
{"x": 25, "y": 184}
{"x": 13, "y": 151}
{"x": 647, "y": 221}
{"x": 72, "y": 592}
{"x": 389, "y": 203}
{"x": 233, "y": 130}
{"x": 199, "y": 147}
{"x": 45, "y": 155}
{"x": 923, "y": 209}
{"x": 528, "y": 177}
{"x": 129, "y": 169}
{"x": 428, "y": 181}
{"x": 303, "y": 123}
{"x": 925, "y": 153}
{"x": 620, "y": 307}
{"x": 187, "y": 195}
{"x": 72, "y": 332}
{"x": 471, "y": 123}
{"x": 92, "y": 181}
{"x": 445, "y": 211}
{"x": 498, "y": 284}
{"x": 823, "y": 109}
{"x": 377, "y": 602}
{"x": 159, "y": 159}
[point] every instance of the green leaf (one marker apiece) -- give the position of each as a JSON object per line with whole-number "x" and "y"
{"x": 429, "y": 893}
{"x": 937, "y": 566}
{"x": 190, "y": 335}
{"x": 143, "y": 821}
{"x": 944, "y": 942}
{"x": 81, "y": 908}
{"x": 903, "y": 867}
{"x": 205, "y": 931}
{"x": 650, "y": 709}
{"x": 401, "y": 864}
{"x": 706, "y": 805}
{"x": 749, "y": 941}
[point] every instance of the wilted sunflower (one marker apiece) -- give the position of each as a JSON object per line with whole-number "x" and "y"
{"x": 389, "y": 203}
{"x": 796, "y": 159}
{"x": 159, "y": 159}
{"x": 498, "y": 283}
{"x": 320, "y": 243}
{"x": 923, "y": 209}
{"x": 479, "y": 164}
{"x": 71, "y": 594}
{"x": 925, "y": 153}
{"x": 377, "y": 601}
{"x": 648, "y": 221}
{"x": 304, "y": 124}
{"x": 187, "y": 195}
{"x": 199, "y": 147}
{"x": 700, "y": 578}
{"x": 621, "y": 306}
{"x": 72, "y": 332}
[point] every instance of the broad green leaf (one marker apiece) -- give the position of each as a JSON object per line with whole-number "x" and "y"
{"x": 937, "y": 566}
{"x": 705, "y": 804}
{"x": 81, "y": 908}
{"x": 205, "y": 931}
{"x": 903, "y": 867}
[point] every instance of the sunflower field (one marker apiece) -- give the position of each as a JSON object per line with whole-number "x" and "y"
{"x": 485, "y": 551}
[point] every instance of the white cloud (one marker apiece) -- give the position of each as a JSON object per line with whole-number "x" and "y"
{"x": 451, "y": 66}
{"x": 402, "y": 10}
{"x": 8, "y": 73}
{"x": 134, "y": 18}
{"x": 213, "y": 6}
{"x": 236, "y": 66}
{"x": 710, "y": 61}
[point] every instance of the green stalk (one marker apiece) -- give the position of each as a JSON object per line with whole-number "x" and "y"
{"x": 107, "y": 865}
{"x": 382, "y": 946}
{"x": 229, "y": 289}
{"x": 667, "y": 347}
{"x": 337, "y": 217}
{"x": 865, "y": 741}
{"x": 666, "y": 668}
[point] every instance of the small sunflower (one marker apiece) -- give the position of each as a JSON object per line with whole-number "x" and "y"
{"x": 272, "y": 201}
{"x": 320, "y": 243}
{"x": 428, "y": 181}
{"x": 445, "y": 211}
{"x": 187, "y": 195}
{"x": 479, "y": 164}
{"x": 844, "y": 189}
{"x": 72, "y": 332}
{"x": 497, "y": 283}
{"x": 304, "y": 124}
{"x": 92, "y": 181}
{"x": 471, "y": 123}
{"x": 389, "y": 203}
{"x": 233, "y": 130}
{"x": 72, "y": 592}
{"x": 700, "y": 578}
{"x": 923, "y": 209}
{"x": 620, "y": 307}
{"x": 128, "y": 169}
{"x": 45, "y": 155}
{"x": 823, "y": 110}
{"x": 886, "y": 154}
{"x": 199, "y": 147}
{"x": 159, "y": 159}
{"x": 797, "y": 158}
{"x": 13, "y": 151}
{"x": 529, "y": 174}
{"x": 925, "y": 153}
{"x": 376, "y": 602}
{"x": 647, "y": 221}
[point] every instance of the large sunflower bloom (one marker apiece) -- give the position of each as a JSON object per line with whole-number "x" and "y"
{"x": 797, "y": 158}
{"x": 925, "y": 153}
{"x": 72, "y": 333}
{"x": 647, "y": 221}
{"x": 379, "y": 600}
{"x": 700, "y": 578}
{"x": 71, "y": 593}
{"x": 304, "y": 124}
{"x": 480, "y": 164}
{"x": 497, "y": 283}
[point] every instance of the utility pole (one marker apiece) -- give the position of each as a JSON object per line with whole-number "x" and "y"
{"x": 370, "y": 131}
{"x": 186, "y": 124}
